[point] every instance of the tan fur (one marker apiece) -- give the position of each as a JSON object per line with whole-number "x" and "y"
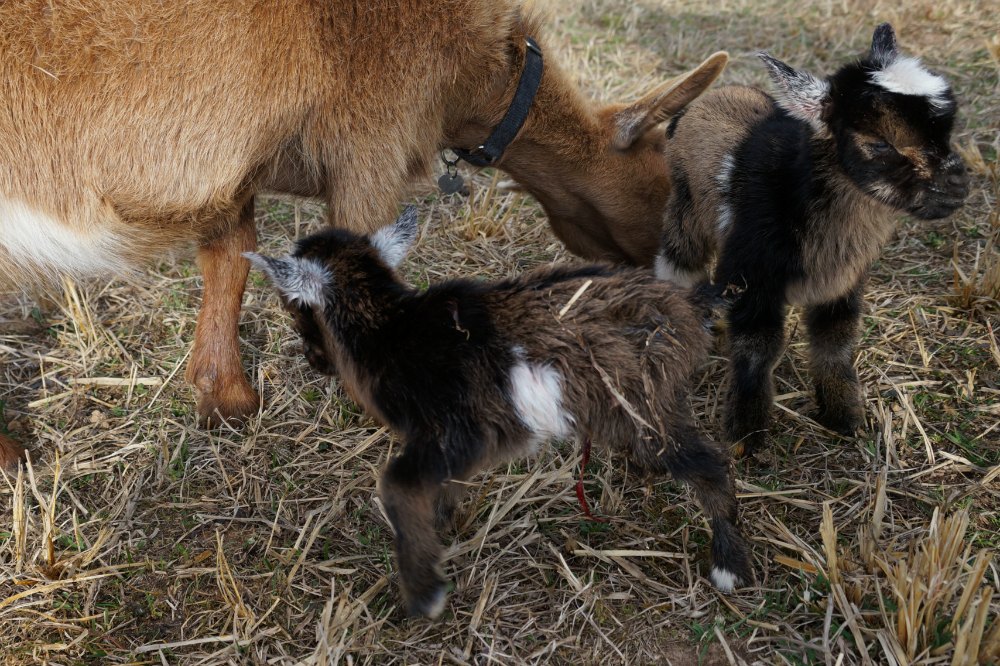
{"x": 215, "y": 369}
{"x": 609, "y": 162}
{"x": 132, "y": 127}
{"x": 840, "y": 246}
{"x": 726, "y": 115}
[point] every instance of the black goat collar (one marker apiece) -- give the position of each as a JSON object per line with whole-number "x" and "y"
{"x": 493, "y": 148}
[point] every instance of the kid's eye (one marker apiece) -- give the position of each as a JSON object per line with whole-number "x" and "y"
{"x": 880, "y": 147}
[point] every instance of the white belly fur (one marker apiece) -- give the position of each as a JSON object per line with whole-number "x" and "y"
{"x": 35, "y": 246}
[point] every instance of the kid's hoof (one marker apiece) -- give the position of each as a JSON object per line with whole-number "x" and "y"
{"x": 726, "y": 581}
{"x": 844, "y": 421}
{"x": 430, "y": 603}
{"x": 11, "y": 454}
{"x": 746, "y": 447}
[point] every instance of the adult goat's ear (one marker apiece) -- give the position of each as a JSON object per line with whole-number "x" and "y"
{"x": 799, "y": 93}
{"x": 299, "y": 281}
{"x": 665, "y": 100}
{"x": 394, "y": 241}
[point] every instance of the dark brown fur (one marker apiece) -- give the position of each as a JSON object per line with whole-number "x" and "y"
{"x": 793, "y": 198}
{"x": 464, "y": 374}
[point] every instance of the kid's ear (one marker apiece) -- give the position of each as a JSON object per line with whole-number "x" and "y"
{"x": 298, "y": 280}
{"x": 799, "y": 93}
{"x": 883, "y": 49}
{"x": 393, "y": 241}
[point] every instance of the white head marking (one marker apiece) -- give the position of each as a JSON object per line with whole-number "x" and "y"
{"x": 907, "y": 76}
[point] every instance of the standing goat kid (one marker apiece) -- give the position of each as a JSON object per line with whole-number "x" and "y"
{"x": 469, "y": 375}
{"x": 795, "y": 197}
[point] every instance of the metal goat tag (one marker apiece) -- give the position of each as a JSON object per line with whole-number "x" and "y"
{"x": 452, "y": 183}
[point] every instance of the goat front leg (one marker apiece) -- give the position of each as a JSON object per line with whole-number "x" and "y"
{"x": 215, "y": 368}
{"x": 411, "y": 500}
{"x": 756, "y": 335}
{"x": 833, "y": 336}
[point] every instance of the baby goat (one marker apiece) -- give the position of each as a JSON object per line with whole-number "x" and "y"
{"x": 795, "y": 198}
{"x": 469, "y": 375}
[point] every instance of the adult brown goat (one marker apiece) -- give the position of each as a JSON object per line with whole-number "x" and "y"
{"x": 130, "y": 127}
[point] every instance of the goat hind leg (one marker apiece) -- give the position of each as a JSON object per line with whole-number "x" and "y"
{"x": 215, "y": 368}
{"x": 704, "y": 465}
{"x": 833, "y": 335}
{"x": 411, "y": 502}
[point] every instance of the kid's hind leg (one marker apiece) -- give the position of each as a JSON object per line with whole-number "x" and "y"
{"x": 410, "y": 500}
{"x": 704, "y": 465}
{"x": 684, "y": 255}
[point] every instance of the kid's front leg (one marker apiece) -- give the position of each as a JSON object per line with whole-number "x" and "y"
{"x": 833, "y": 337}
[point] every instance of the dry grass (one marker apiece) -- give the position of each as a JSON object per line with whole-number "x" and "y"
{"x": 135, "y": 537}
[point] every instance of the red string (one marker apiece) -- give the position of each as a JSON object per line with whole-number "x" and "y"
{"x": 579, "y": 485}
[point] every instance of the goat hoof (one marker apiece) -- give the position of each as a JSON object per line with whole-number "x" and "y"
{"x": 429, "y": 602}
{"x": 227, "y": 403}
{"x": 726, "y": 581}
{"x": 11, "y": 454}
{"x": 842, "y": 421}
{"x": 746, "y": 447}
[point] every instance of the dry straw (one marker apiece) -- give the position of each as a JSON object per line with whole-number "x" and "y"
{"x": 136, "y": 537}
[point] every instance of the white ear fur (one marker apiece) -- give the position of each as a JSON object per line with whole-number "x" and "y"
{"x": 299, "y": 280}
{"x": 393, "y": 241}
{"x": 799, "y": 93}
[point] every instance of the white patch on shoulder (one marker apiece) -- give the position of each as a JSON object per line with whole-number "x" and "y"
{"x": 723, "y": 579}
{"x": 536, "y": 391}
{"x": 666, "y": 270}
{"x": 724, "y": 179}
{"x": 725, "y": 172}
{"x": 42, "y": 245}
{"x": 907, "y": 76}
